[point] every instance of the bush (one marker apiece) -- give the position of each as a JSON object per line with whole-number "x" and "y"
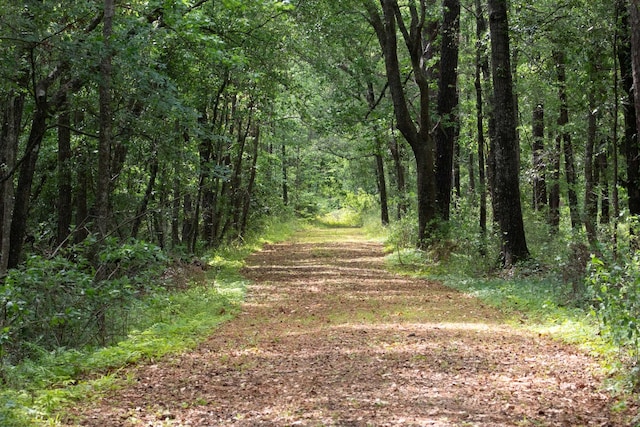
{"x": 615, "y": 292}
{"x": 65, "y": 301}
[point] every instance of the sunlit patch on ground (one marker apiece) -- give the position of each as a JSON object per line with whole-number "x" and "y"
{"x": 328, "y": 338}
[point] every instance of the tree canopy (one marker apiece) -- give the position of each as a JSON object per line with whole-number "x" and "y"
{"x": 182, "y": 125}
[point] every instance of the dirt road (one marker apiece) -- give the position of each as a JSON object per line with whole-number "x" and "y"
{"x": 327, "y": 337}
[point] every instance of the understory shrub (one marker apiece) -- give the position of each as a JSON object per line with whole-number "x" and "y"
{"x": 68, "y": 301}
{"x": 615, "y": 291}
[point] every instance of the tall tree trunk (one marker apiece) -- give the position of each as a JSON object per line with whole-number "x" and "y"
{"x": 382, "y": 189}
{"x": 65, "y": 190}
{"x": 634, "y": 17}
{"x": 9, "y": 135}
{"x": 81, "y": 203}
{"x": 25, "y": 178}
{"x": 539, "y": 166}
{"x": 482, "y": 65}
{"x": 380, "y": 175}
{"x": 590, "y": 194}
{"x": 554, "y": 186}
{"x": 507, "y": 179}
{"x": 285, "y": 178}
{"x": 567, "y": 146}
{"x": 419, "y": 138}
{"x": 141, "y": 212}
{"x": 401, "y": 186}
{"x": 248, "y": 194}
{"x": 106, "y": 129}
{"x": 602, "y": 177}
{"x": 446, "y": 128}
{"x": 175, "y": 212}
{"x": 632, "y": 150}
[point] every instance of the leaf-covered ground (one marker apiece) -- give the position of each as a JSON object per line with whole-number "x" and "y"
{"x": 327, "y": 337}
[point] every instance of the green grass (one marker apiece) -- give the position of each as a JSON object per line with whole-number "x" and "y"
{"x": 37, "y": 391}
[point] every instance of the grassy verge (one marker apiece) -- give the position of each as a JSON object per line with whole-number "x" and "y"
{"x": 532, "y": 300}
{"x": 37, "y": 392}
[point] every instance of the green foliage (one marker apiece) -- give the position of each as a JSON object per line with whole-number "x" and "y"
{"x": 166, "y": 316}
{"x": 66, "y": 301}
{"x": 355, "y": 206}
{"x": 615, "y": 289}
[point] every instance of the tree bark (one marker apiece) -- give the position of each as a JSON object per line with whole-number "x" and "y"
{"x": 65, "y": 189}
{"x": 141, "y": 212}
{"x": 248, "y": 194}
{"x": 419, "y": 138}
{"x": 25, "y": 178}
{"x": 401, "y": 186}
{"x": 446, "y": 129}
{"x": 590, "y": 194}
{"x": 105, "y": 119}
{"x": 567, "y": 145}
{"x": 9, "y": 134}
{"x": 507, "y": 179}
{"x": 630, "y": 68}
{"x": 380, "y": 175}
{"x": 539, "y": 166}
{"x": 482, "y": 67}
{"x": 382, "y": 189}
{"x": 632, "y": 151}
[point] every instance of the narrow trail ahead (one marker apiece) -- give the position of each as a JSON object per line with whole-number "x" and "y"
{"x": 327, "y": 337}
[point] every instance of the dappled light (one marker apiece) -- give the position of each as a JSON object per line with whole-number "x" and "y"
{"x": 328, "y": 337}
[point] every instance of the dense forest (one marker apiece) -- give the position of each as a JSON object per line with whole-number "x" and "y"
{"x": 138, "y": 132}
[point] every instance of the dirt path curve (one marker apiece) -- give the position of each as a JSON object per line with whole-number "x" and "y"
{"x": 328, "y": 338}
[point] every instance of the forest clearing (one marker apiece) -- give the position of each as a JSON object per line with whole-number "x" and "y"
{"x": 328, "y": 337}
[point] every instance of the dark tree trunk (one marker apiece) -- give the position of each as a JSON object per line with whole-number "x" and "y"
{"x": 539, "y": 166}
{"x": 9, "y": 135}
{"x": 482, "y": 67}
{"x": 380, "y": 175}
{"x": 382, "y": 189}
{"x": 248, "y": 194}
{"x": 175, "y": 212}
{"x": 81, "y": 205}
{"x": 602, "y": 177}
{"x": 65, "y": 190}
{"x": 507, "y": 180}
{"x": 141, "y": 212}
{"x": 567, "y": 145}
{"x": 401, "y": 186}
{"x": 188, "y": 223}
{"x": 590, "y": 194}
{"x": 632, "y": 150}
{"x": 554, "y": 186}
{"x": 446, "y": 128}
{"x": 634, "y": 17}
{"x": 419, "y": 138}
{"x": 237, "y": 192}
{"x": 206, "y": 189}
{"x": 285, "y": 179}
{"x": 471, "y": 167}
{"x": 106, "y": 129}
{"x": 25, "y": 179}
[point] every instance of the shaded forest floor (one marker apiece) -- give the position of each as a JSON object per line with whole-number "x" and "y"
{"x": 327, "y": 337}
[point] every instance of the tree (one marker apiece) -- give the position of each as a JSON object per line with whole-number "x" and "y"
{"x": 539, "y": 181}
{"x": 446, "y": 129}
{"x": 634, "y": 18}
{"x": 418, "y": 136}
{"x": 507, "y": 183}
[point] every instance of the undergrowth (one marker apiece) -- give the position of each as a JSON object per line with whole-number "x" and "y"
{"x": 167, "y": 320}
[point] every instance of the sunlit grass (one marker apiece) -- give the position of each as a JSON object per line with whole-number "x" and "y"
{"x": 163, "y": 323}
